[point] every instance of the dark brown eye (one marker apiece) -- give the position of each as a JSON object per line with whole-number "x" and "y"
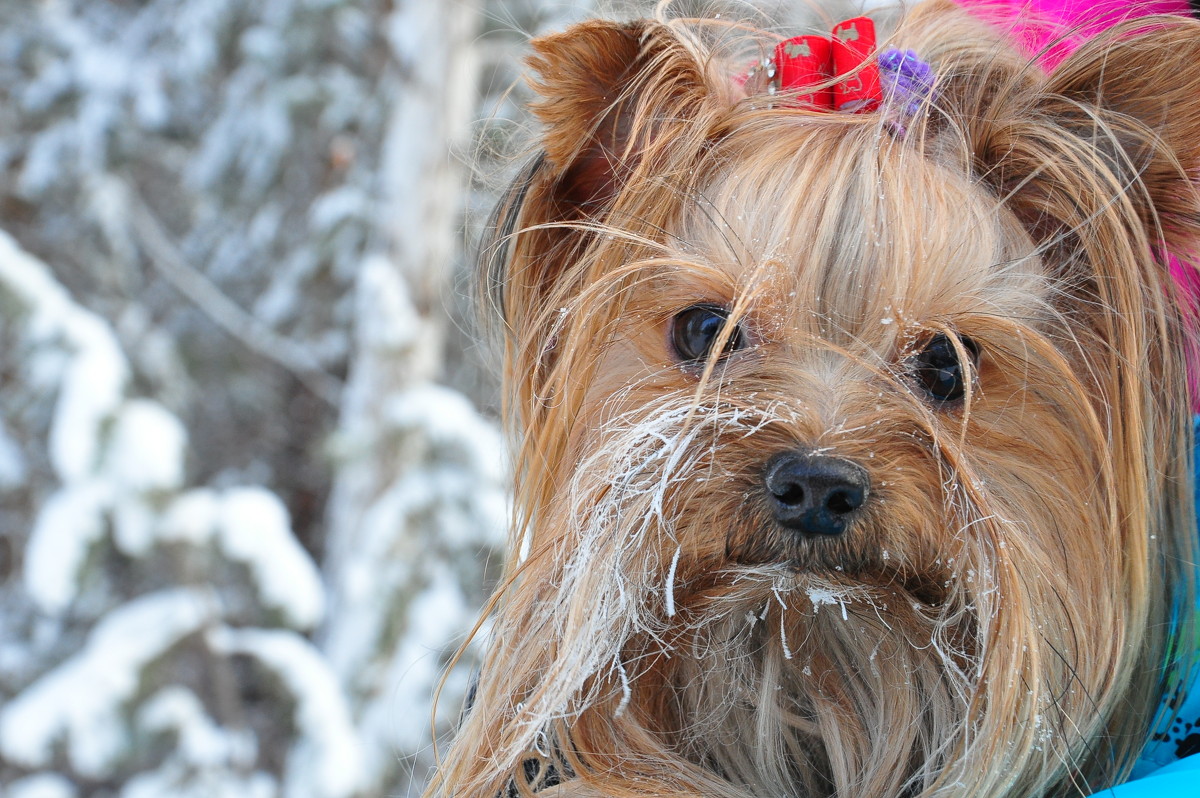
{"x": 937, "y": 368}
{"x": 695, "y": 330}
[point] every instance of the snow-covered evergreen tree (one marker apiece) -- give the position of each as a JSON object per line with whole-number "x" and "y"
{"x": 244, "y": 523}
{"x": 419, "y": 489}
{"x": 132, "y": 595}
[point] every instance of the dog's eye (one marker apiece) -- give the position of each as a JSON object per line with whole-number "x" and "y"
{"x": 938, "y": 370}
{"x": 694, "y": 332}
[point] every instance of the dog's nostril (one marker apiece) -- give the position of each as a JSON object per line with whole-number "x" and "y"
{"x": 815, "y": 494}
{"x": 792, "y": 494}
{"x": 842, "y": 502}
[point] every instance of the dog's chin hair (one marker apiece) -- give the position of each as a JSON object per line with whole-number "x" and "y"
{"x": 616, "y": 503}
{"x": 750, "y": 688}
{"x": 783, "y": 680}
{"x": 900, "y": 676}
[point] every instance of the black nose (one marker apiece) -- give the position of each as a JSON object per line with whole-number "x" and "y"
{"x": 815, "y": 494}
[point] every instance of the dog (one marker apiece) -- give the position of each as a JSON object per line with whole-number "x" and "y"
{"x": 854, "y": 447}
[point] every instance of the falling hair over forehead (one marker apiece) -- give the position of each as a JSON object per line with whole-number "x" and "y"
{"x": 860, "y": 225}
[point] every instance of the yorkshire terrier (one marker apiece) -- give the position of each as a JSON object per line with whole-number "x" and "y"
{"x": 855, "y": 444}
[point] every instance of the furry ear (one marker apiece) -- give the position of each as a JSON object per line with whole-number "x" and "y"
{"x": 609, "y": 93}
{"x": 1117, "y": 122}
{"x": 626, "y": 110}
{"x": 1142, "y": 82}
{"x": 614, "y": 98}
{"x": 1121, "y": 114}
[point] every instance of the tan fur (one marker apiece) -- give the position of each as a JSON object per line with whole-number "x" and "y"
{"x": 994, "y": 623}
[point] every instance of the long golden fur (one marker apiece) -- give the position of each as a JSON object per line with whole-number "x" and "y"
{"x": 995, "y": 622}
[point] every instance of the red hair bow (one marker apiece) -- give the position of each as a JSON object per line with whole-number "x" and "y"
{"x": 809, "y": 61}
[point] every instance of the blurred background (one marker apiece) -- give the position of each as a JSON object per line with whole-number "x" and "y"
{"x": 252, "y": 490}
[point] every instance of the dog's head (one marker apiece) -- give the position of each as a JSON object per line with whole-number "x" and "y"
{"x": 853, "y": 460}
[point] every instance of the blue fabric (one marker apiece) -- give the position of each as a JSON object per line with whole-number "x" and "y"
{"x": 1180, "y": 779}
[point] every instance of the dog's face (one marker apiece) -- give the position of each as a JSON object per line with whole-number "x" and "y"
{"x": 853, "y": 461}
{"x": 835, "y": 431}
{"x": 835, "y": 389}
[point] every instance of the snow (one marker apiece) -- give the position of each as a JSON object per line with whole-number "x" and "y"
{"x": 81, "y": 699}
{"x": 96, "y": 373}
{"x": 453, "y": 425}
{"x": 828, "y": 596}
{"x": 250, "y": 526}
{"x": 145, "y": 452}
{"x": 199, "y": 741}
{"x": 326, "y": 761}
{"x": 178, "y": 781}
{"x": 133, "y": 522}
{"x": 469, "y": 467}
{"x": 90, "y": 393}
{"x": 436, "y": 615}
{"x": 626, "y": 690}
{"x": 406, "y": 532}
{"x": 670, "y": 585}
{"x": 207, "y": 761}
{"x": 45, "y": 155}
{"x": 191, "y": 517}
{"x": 386, "y": 318}
{"x": 41, "y": 785}
{"x": 253, "y": 528}
{"x": 145, "y": 455}
{"x": 142, "y": 443}
{"x": 69, "y": 523}
{"x": 331, "y": 209}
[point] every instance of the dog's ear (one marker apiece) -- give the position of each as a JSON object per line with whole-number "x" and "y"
{"x": 1142, "y": 82}
{"x": 609, "y": 93}
{"x": 1118, "y": 121}
{"x": 616, "y": 101}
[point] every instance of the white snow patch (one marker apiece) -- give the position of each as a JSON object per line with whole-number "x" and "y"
{"x": 335, "y": 207}
{"x": 107, "y": 452}
{"x": 146, "y": 450}
{"x": 82, "y": 698}
{"x": 41, "y": 785}
{"x": 386, "y": 318}
{"x": 12, "y": 461}
{"x": 671, "y": 584}
{"x": 207, "y": 761}
{"x": 450, "y": 420}
{"x": 250, "y": 525}
{"x": 175, "y": 780}
{"x": 133, "y": 526}
{"x": 67, "y": 526}
{"x": 435, "y": 616}
{"x": 145, "y": 454}
{"x": 626, "y": 691}
{"x": 191, "y": 517}
{"x": 463, "y": 442}
{"x": 89, "y": 395}
{"x": 254, "y": 529}
{"x": 821, "y": 596}
{"x": 95, "y": 376}
{"x": 326, "y": 761}
{"x": 199, "y": 741}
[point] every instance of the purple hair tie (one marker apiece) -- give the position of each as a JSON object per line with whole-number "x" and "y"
{"x": 907, "y": 83}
